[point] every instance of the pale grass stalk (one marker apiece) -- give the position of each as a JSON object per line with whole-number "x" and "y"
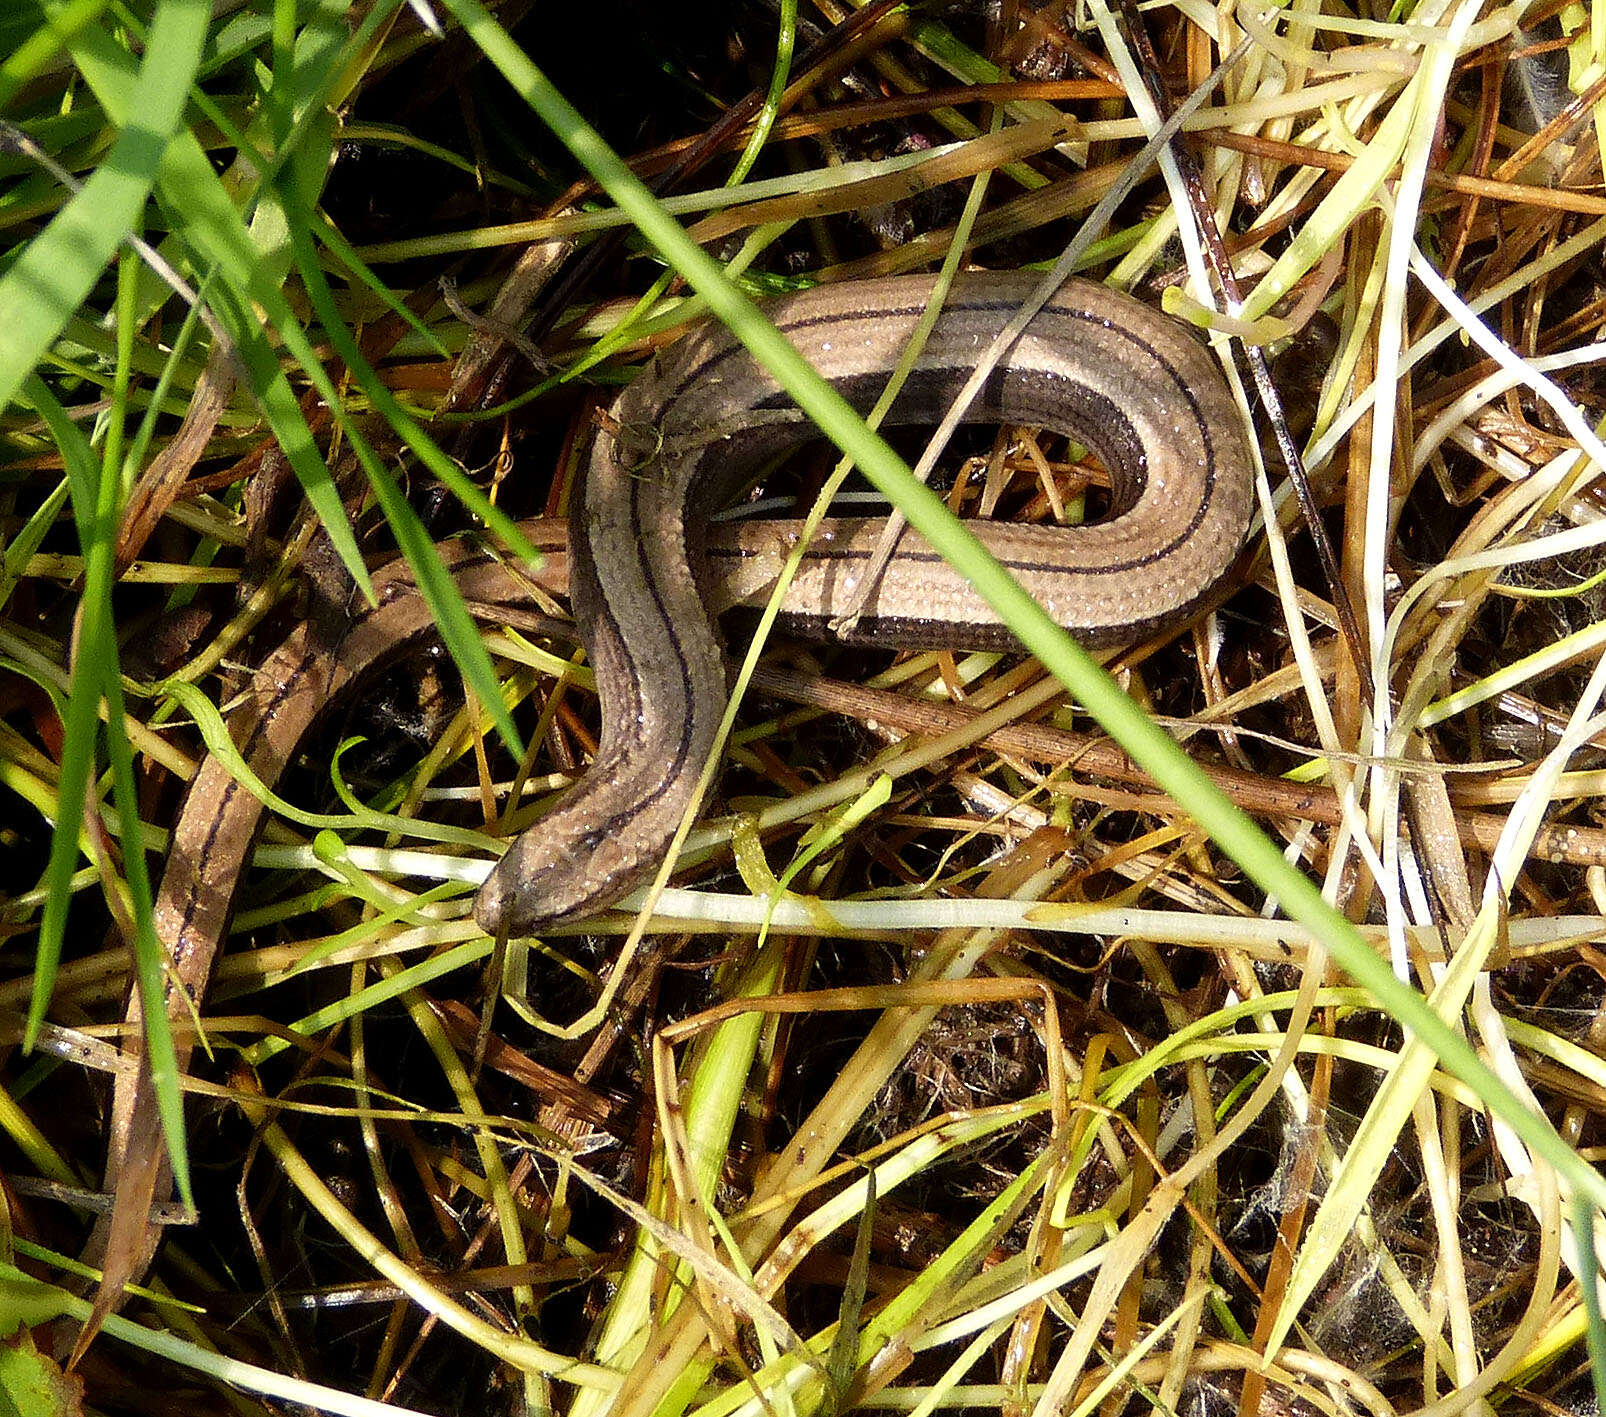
{"x": 1511, "y": 513}
{"x": 1122, "y": 1370}
{"x": 1545, "y": 660}
{"x": 1521, "y": 370}
{"x": 44, "y": 1301}
{"x": 948, "y": 1380}
{"x": 1138, "y": 95}
{"x": 1531, "y": 1179}
{"x": 1541, "y": 267}
{"x": 1248, "y": 115}
{"x": 1537, "y": 1321}
{"x": 1426, "y": 93}
{"x": 518, "y": 1352}
{"x": 1449, "y": 1296}
{"x": 498, "y": 1188}
{"x": 1027, "y": 1289}
{"x": 1510, "y": 372}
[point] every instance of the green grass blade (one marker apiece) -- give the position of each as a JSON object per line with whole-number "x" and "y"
{"x": 31, "y": 47}
{"x": 1587, "y": 1268}
{"x": 61, "y": 265}
{"x": 434, "y": 584}
{"x": 80, "y": 724}
{"x": 95, "y": 682}
{"x": 242, "y": 281}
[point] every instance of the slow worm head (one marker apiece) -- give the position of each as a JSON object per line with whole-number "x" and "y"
{"x": 1130, "y": 383}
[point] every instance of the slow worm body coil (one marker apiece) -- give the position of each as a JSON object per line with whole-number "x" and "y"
{"x": 1130, "y": 383}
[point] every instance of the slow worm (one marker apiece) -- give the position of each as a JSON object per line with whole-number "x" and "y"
{"x": 1128, "y": 382}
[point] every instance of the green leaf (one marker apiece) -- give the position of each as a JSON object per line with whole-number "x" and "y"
{"x": 61, "y": 265}
{"x": 33, "y": 1384}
